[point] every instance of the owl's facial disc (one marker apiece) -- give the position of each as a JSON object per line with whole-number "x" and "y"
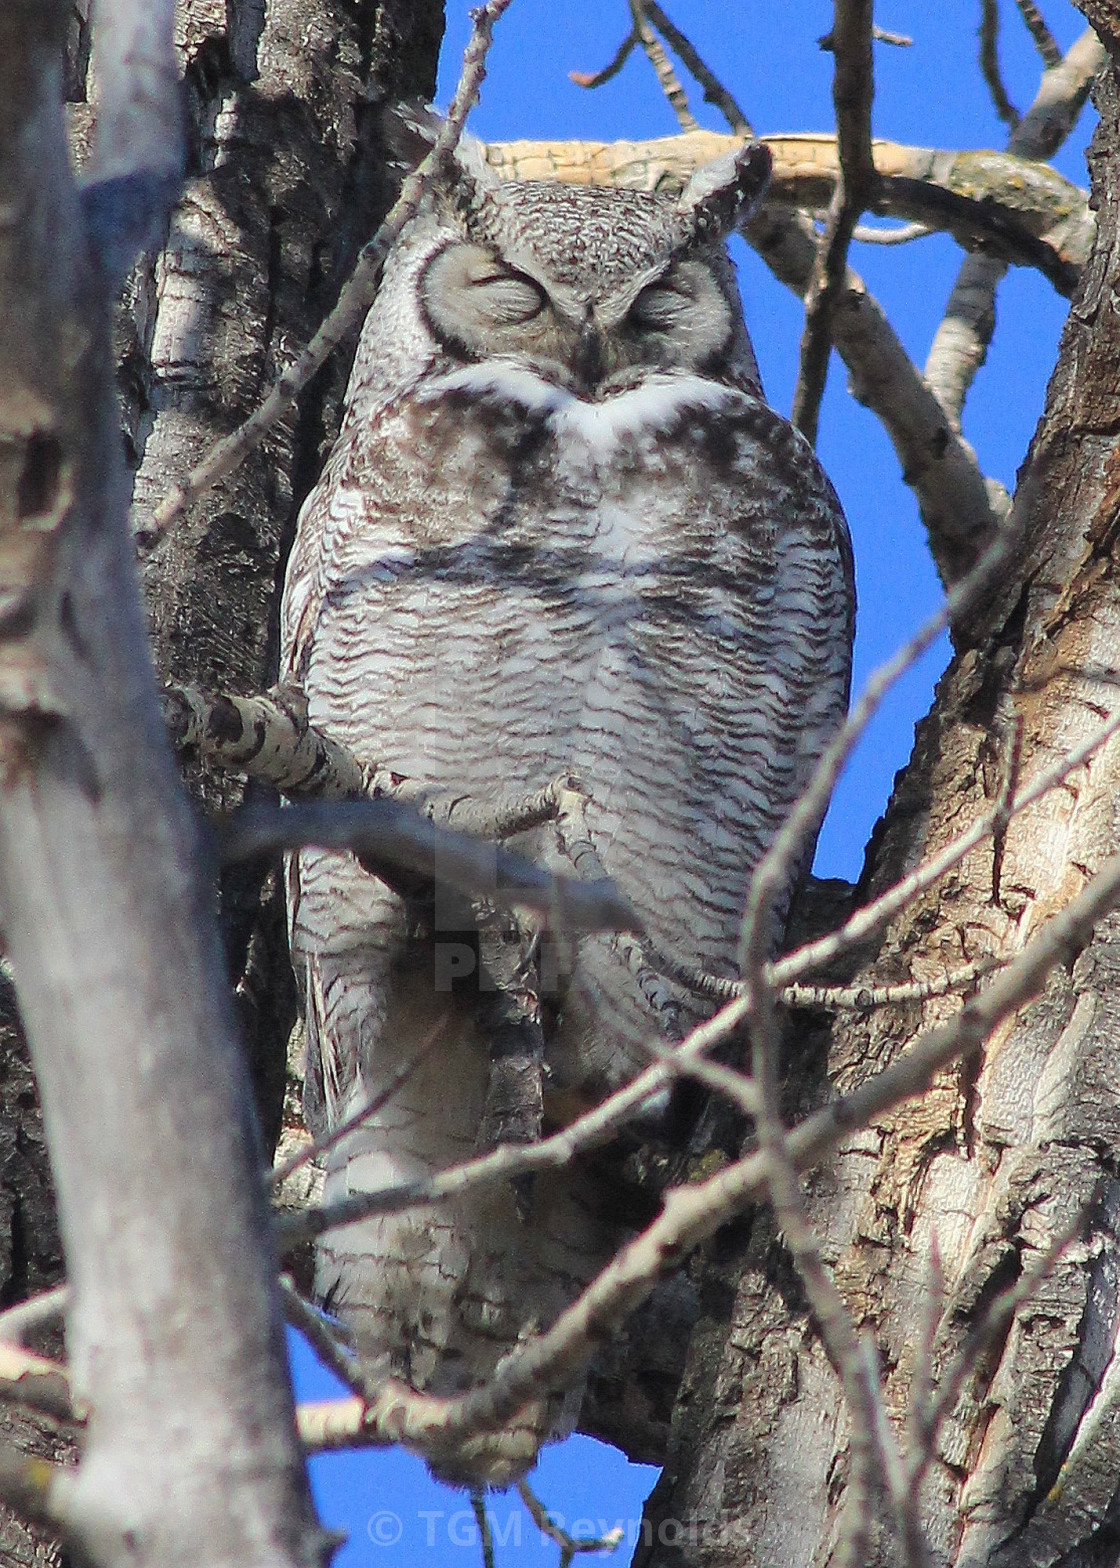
{"x": 480, "y": 307}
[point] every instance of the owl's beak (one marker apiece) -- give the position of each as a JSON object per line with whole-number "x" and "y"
{"x": 587, "y": 362}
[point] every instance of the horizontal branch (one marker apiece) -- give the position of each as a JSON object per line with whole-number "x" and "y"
{"x": 996, "y": 200}
{"x": 955, "y": 499}
{"x": 390, "y": 837}
{"x": 266, "y": 735}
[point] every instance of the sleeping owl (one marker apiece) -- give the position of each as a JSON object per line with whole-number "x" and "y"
{"x": 561, "y": 532}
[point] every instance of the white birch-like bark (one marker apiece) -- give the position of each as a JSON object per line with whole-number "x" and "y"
{"x": 174, "y": 1333}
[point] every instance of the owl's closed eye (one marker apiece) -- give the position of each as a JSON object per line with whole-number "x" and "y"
{"x": 480, "y": 306}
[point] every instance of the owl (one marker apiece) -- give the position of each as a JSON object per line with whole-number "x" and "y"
{"x": 561, "y": 532}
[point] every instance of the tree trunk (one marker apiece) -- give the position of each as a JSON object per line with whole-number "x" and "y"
{"x": 997, "y": 1160}
{"x": 287, "y": 179}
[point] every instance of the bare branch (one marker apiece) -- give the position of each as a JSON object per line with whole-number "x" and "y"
{"x": 485, "y": 1537}
{"x": 852, "y": 92}
{"x": 1045, "y": 42}
{"x": 874, "y": 916}
{"x": 279, "y": 1174}
{"x": 109, "y": 928}
{"x": 777, "y": 865}
{"x": 594, "y": 1127}
{"x": 355, "y": 299}
{"x": 598, "y": 78}
{"x": 961, "y": 342}
{"x": 862, "y": 997}
{"x": 1059, "y": 941}
{"x": 392, "y": 839}
{"x": 319, "y": 1334}
{"x": 989, "y": 63}
{"x": 570, "y": 1545}
{"x": 663, "y": 68}
{"x": 715, "y": 92}
{"x": 864, "y": 234}
{"x": 18, "y": 1321}
{"x": 267, "y": 736}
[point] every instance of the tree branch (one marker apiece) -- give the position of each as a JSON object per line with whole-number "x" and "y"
{"x": 989, "y": 63}
{"x": 960, "y": 344}
{"x": 852, "y": 92}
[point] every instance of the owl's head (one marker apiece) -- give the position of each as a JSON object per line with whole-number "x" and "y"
{"x": 589, "y": 287}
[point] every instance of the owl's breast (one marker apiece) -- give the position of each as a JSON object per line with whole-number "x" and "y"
{"x": 651, "y": 591}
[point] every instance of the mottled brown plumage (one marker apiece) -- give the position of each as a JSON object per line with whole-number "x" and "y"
{"x": 561, "y": 532}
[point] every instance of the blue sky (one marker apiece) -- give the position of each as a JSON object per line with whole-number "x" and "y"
{"x": 929, "y": 95}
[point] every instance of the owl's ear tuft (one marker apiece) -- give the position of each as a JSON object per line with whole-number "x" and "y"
{"x": 409, "y": 130}
{"x": 723, "y": 194}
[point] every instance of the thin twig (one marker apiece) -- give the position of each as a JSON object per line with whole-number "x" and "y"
{"x": 323, "y": 1340}
{"x": 485, "y": 1537}
{"x": 852, "y": 92}
{"x": 864, "y": 997}
{"x": 773, "y": 870}
{"x": 330, "y": 1140}
{"x": 597, "y": 78}
{"x": 989, "y": 63}
{"x": 899, "y": 40}
{"x": 865, "y": 234}
{"x": 1045, "y": 42}
{"x": 356, "y": 296}
{"x": 663, "y": 68}
{"x": 734, "y": 1086}
{"x": 922, "y": 1384}
{"x": 594, "y": 1127}
{"x": 869, "y": 1429}
{"x": 569, "y": 1545}
{"x": 837, "y": 1329}
{"x": 874, "y": 916}
{"x": 18, "y": 1321}
{"x": 715, "y": 92}
{"x": 892, "y": 1466}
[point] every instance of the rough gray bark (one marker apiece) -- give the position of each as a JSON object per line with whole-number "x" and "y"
{"x": 30, "y": 1261}
{"x": 998, "y": 1159}
{"x": 287, "y": 178}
